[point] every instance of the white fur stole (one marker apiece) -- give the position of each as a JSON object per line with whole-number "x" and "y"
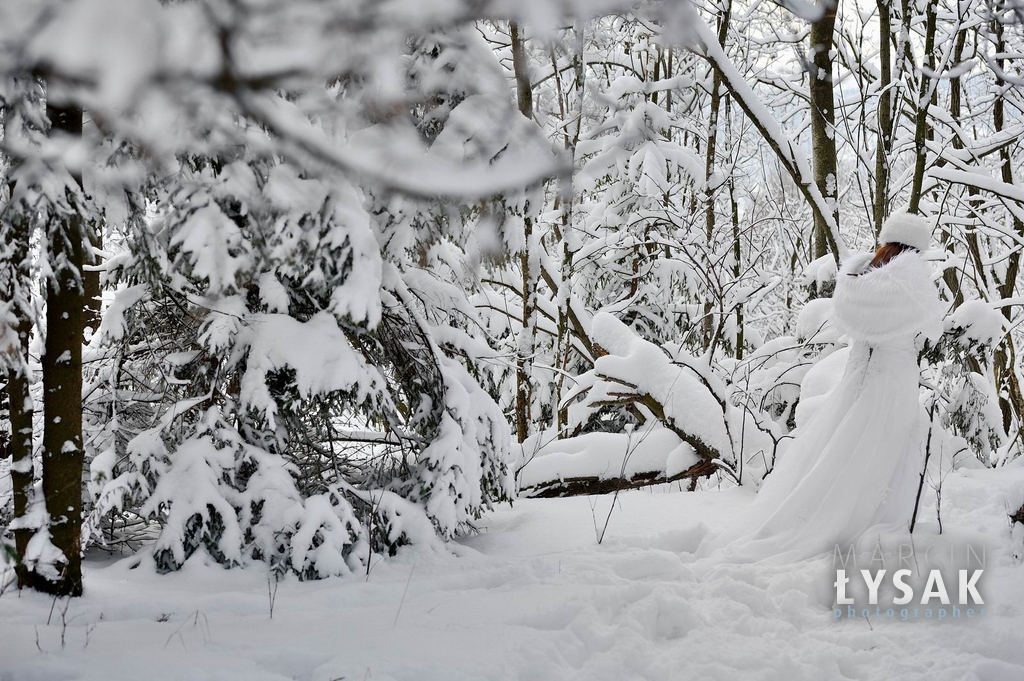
{"x": 887, "y": 304}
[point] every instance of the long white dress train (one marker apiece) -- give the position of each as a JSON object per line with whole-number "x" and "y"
{"x": 857, "y": 462}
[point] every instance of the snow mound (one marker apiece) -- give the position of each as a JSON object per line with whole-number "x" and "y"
{"x": 820, "y": 271}
{"x": 814, "y": 323}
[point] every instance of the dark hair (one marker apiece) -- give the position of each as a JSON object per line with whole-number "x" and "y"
{"x": 887, "y": 252}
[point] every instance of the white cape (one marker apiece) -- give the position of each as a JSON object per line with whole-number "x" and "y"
{"x": 857, "y": 462}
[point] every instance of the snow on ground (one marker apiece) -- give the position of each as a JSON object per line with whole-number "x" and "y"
{"x": 531, "y": 597}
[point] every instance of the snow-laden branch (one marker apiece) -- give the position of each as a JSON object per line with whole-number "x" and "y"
{"x": 980, "y": 181}
{"x": 415, "y": 174}
{"x": 1009, "y": 195}
{"x": 705, "y": 43}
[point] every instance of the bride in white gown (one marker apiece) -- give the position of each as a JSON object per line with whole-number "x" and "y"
{"x": 857, "y": 462}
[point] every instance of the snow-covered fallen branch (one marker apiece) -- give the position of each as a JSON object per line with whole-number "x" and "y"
{"x": 601, "y": 463}
{"x": 635, "y": 371}
{"x": 685, "y": 421}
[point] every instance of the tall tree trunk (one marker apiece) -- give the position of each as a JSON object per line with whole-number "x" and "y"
{"x": 19, "y": 398}
{"x": 63, "y": 455}
{"x": 16, "y": 229}
{"x": 737, "y": 251}
{"x": 93, "y": 290}
{"x": 883, "y": 145}
{"x": 922, "y": 131}
{"x": 524, "y": 361}
{"x": 710, "y": 152}
{"x": 521, "y": 69}
{"x": 823, "y": 118}
{"x": 570, "y": 111}
{"x": 949, "y": 274}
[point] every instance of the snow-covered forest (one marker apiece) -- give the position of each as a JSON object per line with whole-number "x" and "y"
{"x": 316, "y": 289}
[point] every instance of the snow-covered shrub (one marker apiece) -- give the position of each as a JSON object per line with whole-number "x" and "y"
{"x": 291, "y": 368}
{"x": 303, "y": 385}
{"x": 974, "y": 328}
{"x": 973, "y": 412}
{"x": 961, "y": 357}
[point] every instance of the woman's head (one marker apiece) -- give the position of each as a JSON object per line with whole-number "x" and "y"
{"x": 888, "y": 251}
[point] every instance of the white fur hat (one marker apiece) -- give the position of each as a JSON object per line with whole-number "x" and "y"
{"x": 905, "y": 228}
